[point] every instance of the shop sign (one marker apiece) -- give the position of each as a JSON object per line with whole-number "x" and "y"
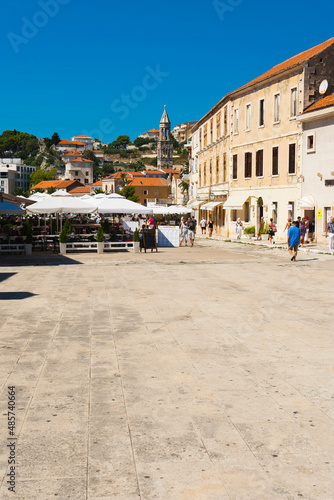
{"x": 319, "y": 213}
{"x": 273, "y": 206}
{"x": 289, "y": 207}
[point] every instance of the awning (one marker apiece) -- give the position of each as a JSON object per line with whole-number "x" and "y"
{"x": 195, "y": 204}
{"x": 235, "y": 201}
{"x": 211, "y": 205}
{"x": 306, "y": 203}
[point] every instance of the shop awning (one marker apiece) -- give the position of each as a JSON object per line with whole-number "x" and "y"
{"x": 211, "y": 205}
{"x": 235, "y": 201}
{"x": 195, "y": 204}
{"x": 306, "y": 203}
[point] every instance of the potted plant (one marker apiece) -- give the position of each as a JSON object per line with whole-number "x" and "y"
{"x": 136, "y": 241}
{"x": 250, "y": 231}
{"x": 100, "y": 240}
{"x": 62, "y": 241}
{"x": 28, "y": 234}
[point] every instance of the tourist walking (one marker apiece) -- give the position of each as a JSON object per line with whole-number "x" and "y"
{"x": 210, "y": 226}
{"x": 184, "y": 233}
{"x": 307, "y": 228}
{"x": 238, "y": 228}
{"x": 203, "y": 225}
{"x": 302, "y": 231}
{"x": 288, "y": 224}
{"x": 330, "y": 233}
{"x": 191, "y": 225}
{"x": 294, "y": 239}
{"x": 272, "y": 230}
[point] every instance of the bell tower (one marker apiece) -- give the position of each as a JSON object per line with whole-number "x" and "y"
{"x": 165, "y": 144}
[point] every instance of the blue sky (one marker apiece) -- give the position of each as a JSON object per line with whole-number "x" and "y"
{"x": 107, "y": 67}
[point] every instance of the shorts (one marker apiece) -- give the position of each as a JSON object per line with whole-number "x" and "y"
{"x": 191, "y": 235}
{"x": 293, "y": 247}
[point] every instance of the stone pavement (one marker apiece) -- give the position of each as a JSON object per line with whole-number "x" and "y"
{"x": 200, "y": 373}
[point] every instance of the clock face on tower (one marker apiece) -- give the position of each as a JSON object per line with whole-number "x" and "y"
{"x": 323, "y": 87}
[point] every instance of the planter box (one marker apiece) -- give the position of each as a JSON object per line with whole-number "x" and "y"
{"x": 100, "y": 246}
{"x": 62, "y": 248}
{"x": 136, "y": 246}
{"x": 28, "y": 248}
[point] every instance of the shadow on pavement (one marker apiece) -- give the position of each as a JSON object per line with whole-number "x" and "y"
{"x": 5, "y": 276}
{"x": 15, "y": 295}
{"x": 38, "y": 259}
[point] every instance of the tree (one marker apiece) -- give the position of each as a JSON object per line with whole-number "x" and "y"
{"x": 55, "y": 139}
{"x": 51, "y": 190}
{"x": 123, "y": 179}
{"x": 42, "y": 175}
{"x": 129, "y": 193}
{"x": 121, "y": 142}
{"x": 140, "y": 141}
{"x": 154, "y": 162}
{"x": 18, "y": 144}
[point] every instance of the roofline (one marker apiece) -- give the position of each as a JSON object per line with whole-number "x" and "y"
{"x": 315, "y": 114}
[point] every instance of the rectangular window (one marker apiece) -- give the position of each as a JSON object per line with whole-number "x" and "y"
{"x": 200, "y": 139}
{"x": 218, "y": 124}
{"x": 275, "y": 161}
{"x": 225, "y": 120}
{"x": 145, "y": 191}
{"x": 86, "y": 181}
{"x": 235, "y": 167}
{"x": 211, "y": 129}
{"x": 156, "y": 192}
{"x": 205, "y": 141}
{"x": 217, "y": 169}
{"x": 291, "y": 210}
{"x": 293, "y": 103}
{"x": 292, "y": 158}
{"x": 236, "y": 121}
{"x": 204, "y": 174}
{"x": 246, "y": 211}
{"x": 87, "y": 174}
{"x": 310, "y": 143}
{"x": 248, "y": 116}
{"x": 277, "y": 107}
{"x": 224, "y": 168}
{"x": 248, "y": 165}
{"x": 261, "y": 113}
{"x": 259, "y": 163}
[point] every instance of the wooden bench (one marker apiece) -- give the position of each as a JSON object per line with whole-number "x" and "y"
{"x": 12, "y": 247}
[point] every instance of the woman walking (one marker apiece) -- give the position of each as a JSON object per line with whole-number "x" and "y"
{"x": 203, "y": 225}
{"x": 238, "y": 228}
{"x": 272, "y": 231}
{"x": 302, "y": 232}
{"x": 210, "y": 227}
{"x": 184, "y": 233}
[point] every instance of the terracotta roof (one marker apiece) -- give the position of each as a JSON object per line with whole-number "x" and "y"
{"x": 97, "y": 183}
{"x": 154, "y": 172}
{"x": 76, "y": 143}
{"x": 81, "y": 160}
{"x": 80, "y": 189}
{"x": 97, "y": 151}
{"x": 324, "y": 102}
{"x": 152, "y": 131}
{"x": 72, "y": 152}
{"x": 168, "y": 170}
{"x": 290, "y": 63}
{"x": 86, "y": 136}
{"x": 149, "y": 181}
{"x": 50, "y": 184}
{"x": 129, "y": 175}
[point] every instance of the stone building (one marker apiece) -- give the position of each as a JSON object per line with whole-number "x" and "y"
{"x": 165, "y": 143}
{"x": 249, "y": 144}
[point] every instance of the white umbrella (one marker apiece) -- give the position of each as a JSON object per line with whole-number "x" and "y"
{"x": 62, "y": 205}
{"x": 121, "y": 206}
{"x": 115, "y": 195}
{"x": 38, "y": 196}
{"x": 60, "y": 192}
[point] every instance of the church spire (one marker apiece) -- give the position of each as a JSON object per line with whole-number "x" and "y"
{"x": 165, "y": 118}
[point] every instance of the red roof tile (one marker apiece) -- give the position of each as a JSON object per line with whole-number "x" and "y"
{"x": 75, "y": 143}
{"x": 149, "y": 181}
{"x": 80, "y": 189}
{"x": 324, "y": 102}
{"x": 290, "y": 63}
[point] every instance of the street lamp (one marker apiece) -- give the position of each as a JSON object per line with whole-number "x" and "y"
{"x": 212, "y": 196}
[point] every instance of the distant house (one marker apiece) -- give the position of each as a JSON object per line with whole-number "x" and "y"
{"x": 88, "y": 141}
{"x": 155, "y": 174}
{"x": 65, "y": 145}
{"x": 114, "y": 182}
{"x": 97, "y": 185}
{"x": 151, "y": 189}
{"x": 60, "y": 184}
{"x": 14, "y": 174}
{"x": 182, "y": 131}
{"x": 70, "y": 155}
{"x": 80, "y": 191}
{"x": 151, "y": 134}
{"x": 79, "y": 169}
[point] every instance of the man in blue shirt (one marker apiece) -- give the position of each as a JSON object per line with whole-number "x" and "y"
{"x": 294, "y": 239}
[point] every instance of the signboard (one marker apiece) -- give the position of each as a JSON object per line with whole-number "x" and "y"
{"x": 289, "y": 207}
{"x": 168, "y": 236}
{"x": 273, "y": 206}
{"x": 319, "y": 213}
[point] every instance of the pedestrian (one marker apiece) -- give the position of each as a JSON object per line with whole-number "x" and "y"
{"x": 288, "y": 224}
{"x": 203, "y": 225}
{"x": 294, "y": 239}
{"x": 191, "y": 225}
{"x": 238, "y": 228}
{"x": 307, "y": 228}
{"x": 330, "y": 233}
{"x": 302, "y": 231}
{"x": 210, "y": 226}
{"x": 184, "y": 233}
{"x": 272, "y": 230}
{"x": 261, "y": 228}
